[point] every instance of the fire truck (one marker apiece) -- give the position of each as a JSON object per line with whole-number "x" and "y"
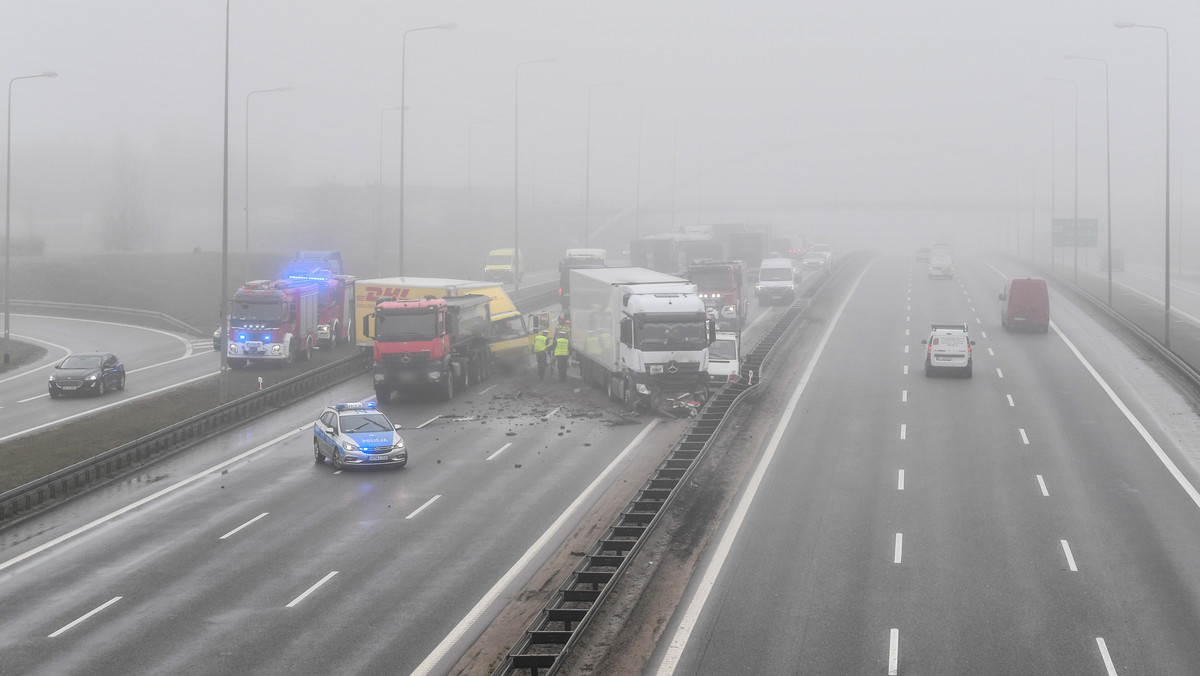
{"x": 272, "y": 321}
{"x": 721, "y": 287}
{"x": 429, "y": 343}
{"x": 335, "y": 305}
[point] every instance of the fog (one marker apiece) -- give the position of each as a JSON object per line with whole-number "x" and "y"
{"x": 867, "y": 123}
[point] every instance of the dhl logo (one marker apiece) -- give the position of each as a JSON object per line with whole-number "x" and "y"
{"x": 374, "y": 293}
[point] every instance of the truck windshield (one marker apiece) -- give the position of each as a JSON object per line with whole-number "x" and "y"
{"x": 269, "y": 314}
{"x": 666, "y": 336}
{"x": 403, "y": 326}
{"x": 708, "y": 281}
{"x": 498, "y": 259}
{"x": 775, "y": 275}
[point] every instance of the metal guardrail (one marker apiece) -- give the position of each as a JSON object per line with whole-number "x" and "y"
{"x": 23, "y": 500}
{"x": 557, "y": 629}
{"x": 78, "y": 310}
{"x": 86, "y": 474}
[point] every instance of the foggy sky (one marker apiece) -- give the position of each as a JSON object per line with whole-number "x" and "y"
{"x": 795, "y": 109}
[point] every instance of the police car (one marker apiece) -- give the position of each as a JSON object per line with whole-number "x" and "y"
{"x": 357, "y": 434}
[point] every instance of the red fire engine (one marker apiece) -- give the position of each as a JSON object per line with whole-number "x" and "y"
{"x": 273, "y": 321}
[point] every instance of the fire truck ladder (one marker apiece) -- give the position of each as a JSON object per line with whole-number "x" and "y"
{"x": 572, "y": 607}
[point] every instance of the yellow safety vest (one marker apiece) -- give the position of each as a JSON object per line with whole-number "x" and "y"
{"x": 539, "y": 343}
{"x": 561, "y": 347}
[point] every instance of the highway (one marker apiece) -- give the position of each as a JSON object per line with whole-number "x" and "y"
{"x": 1038, "y": 518}
{"x": 154, "y": 360}
{"x": 244, "y": 556}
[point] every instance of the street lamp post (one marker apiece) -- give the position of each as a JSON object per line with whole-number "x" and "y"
{"x": 1167, "y": 229}
{"x": 246, "y": 206}
{"x": 223, "y": 388}
{"x": 8, "y": 211}
{"x": 1107, "y": 167}
{"x": 379, "y": 197}
{"x": 403, "y": 65}
{"x": 1075, "y": 218}
{"x": 516, "y": 161}
{"x": 587, "y": 173}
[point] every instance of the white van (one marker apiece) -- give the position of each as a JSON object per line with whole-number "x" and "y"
{"x": 777, "y": 280}
{"x": 724, "y": 358}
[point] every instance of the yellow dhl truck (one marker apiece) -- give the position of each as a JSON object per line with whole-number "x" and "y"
{"x": 511, "y": 338}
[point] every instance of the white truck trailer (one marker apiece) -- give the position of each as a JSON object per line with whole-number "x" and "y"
{"x": 641, "y": 335}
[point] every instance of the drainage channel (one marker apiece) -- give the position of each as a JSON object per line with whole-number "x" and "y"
{"x": 556, "y": 629}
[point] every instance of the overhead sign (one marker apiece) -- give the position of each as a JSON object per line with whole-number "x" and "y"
{"x": 1064, "y": 231}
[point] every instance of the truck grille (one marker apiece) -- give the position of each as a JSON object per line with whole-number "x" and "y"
{"x": 405, "y": 358}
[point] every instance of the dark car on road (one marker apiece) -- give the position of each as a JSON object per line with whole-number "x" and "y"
{"x": 90, "y": 372}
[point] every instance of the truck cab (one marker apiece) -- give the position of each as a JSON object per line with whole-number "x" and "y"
{"x": 721, "y": 288}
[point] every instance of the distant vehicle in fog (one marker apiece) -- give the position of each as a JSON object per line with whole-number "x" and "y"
{"x": 87, "y": 373}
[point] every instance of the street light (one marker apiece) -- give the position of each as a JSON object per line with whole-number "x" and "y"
{"x": 379, "y": 197}
{"x": 1075, "y": 218}
{"x": 1107, "y": 165}
{"x": 403, "y": 61}
{"x": 1167, "y": 230}
{"x": 8, "y": 209}
{"x": 516, "y": 162}
{"x": 587, "y": 174}
{"x": 470, "y": 171}
{"x": 246, "y": 270}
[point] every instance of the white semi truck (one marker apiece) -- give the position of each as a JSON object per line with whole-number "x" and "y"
{"x": 641, "y": 335}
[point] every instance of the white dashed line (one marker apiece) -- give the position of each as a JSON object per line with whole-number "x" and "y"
{"x": 1042, "y": 483}
{"x": 905, "y": 349}
{"x": 428, "y": 502}
{"x": 907, "y": 332}
{"x": 243, "y": 525}
{"x": 1010, "y": 400}
{"x": 552, "y": 412}
{"x": 1024, "y": 437}
{"x": 86, "y": 616}
{"x": 894, "y": 652}
{"x": 1070, "y": 559}
{"x": 903, "y": 431}
{"x": 903, "y": 395}
{"x": 906, "y": 369}
{"x": 311, "y": 589}
{"x": 487, "y": 389}
{"x": 1108, "y": 663}
{"x": 999, "y": 373}
{"x": 502, "y": 449}
{"x": 900, "y": 481}
{"x": 983, "y": 334}
{"x": 990, "y": 353}
{"x": 899, "y": 548}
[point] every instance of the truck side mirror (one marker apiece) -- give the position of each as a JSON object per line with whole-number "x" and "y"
{"x": 366, "y": 324}
{"x": 712, "y": 332}
{"x": 1001, "y": 296}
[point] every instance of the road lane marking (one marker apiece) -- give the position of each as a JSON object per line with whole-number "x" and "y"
{"x": 36, "y": 396}
{"x": 907, "y": 333}
{"x": 1108, "y": 663}
{"x": 899, "y": 548}
{"x": 991, "y": 353}
{"x": 1024, "y": 437}
{"x": 428, "y": 502}
{"x": 906, "y": 369}
{"x": 903, "y": 395}
{"x": 905, "y": 349}
{"x": 552, "y": 412}
{"x": 900, "y": 481}
{"x": 493, "y": 595}
{"x": 1070, "y": 559}
{"x": 149, "y": 498}
{"x": 311, "y": 589}
{"x": 978, "y": 320}
{"x": 903, "y": 431}
{"x": 1042, "y": 483}
{"x": 87, "y": 615}
{"x": 708, "y": 580}
{"x": 488, "y": 389}
{"x": 999, "y": 373}
{"x": 893, "y": 652}
{"x": 502, "y": 449}
{"x": 983, "y": 334}
{"x": 433, "y": 419}
{"x": 1010, "y": 400}
{"x": 243, "y": 525}
{"x": 908, "y": 319}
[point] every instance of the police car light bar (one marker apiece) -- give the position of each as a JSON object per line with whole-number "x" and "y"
{"x": 354, "y": 406}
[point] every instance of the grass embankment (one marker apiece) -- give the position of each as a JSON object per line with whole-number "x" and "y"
{"x": 181, "y": 285}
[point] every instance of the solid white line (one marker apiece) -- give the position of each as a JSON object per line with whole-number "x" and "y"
{"x": 1010, "y": 400}
{"x": 149, "y": 498}
{"x": 502, "y": 449}
{"x": 464, "y": 625}
{"x": 1070, "y": 559}
{"x": 428, "y": 421}
{"x": 903, "y": 395}
{"x": 119, "y": 402}
{"x": 1042, "y": 483}
{"x": 488, "y": 389}
{"x": 903, "y": 431}
{"x": 1024, "y": 438}
{"x": 693, "y": 608}
{"x": 1158, "y": 451}
{"x": 894, "y": 652}
{"x": 1108, "y": 663}
{"x": 899, "y": 547}
{"x": 93, "y": 612}
{"x": 34, "y": 369}
{"x": 428, "y": 502}
{"x": 999, "y": 373}
{"x": 36, "y": 396}
{"x": 900, "y": 481}
{"x": 243, "y": 525}
{"x": 311, "y": 589}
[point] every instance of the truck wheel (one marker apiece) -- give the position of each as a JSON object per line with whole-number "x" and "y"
{"x": 448, "y": 388}
{"x": 383, "y": 394}
{"x": 291, "y": 353}
{"x": 308, "y": 346}
{"x": 467, "y": 372}
{"x": 333, "y": 335}
{"x": 338, "y": 462}
{"x": 612, "y": 388}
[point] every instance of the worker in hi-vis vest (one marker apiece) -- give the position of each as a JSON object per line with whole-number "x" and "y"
{"x": 562, "y": 352}
{"x": 539, "y": 351}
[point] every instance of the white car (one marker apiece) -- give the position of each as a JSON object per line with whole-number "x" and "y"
{"x": 357, "y": 434}
{"x": 948, "y": 350}
{"x": 723, "y": 359}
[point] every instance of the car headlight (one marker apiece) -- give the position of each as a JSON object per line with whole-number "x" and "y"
{"x": 349, "y": 447}
{"x": 93, "y": 376}
{"x": 233, "y": 348}
{"x": 729, "y": 312}
{"x": 51, "y": 378}
{"x": 435, "y": 375}
{"x": 758, "y": 287}
{"x": 276, "y": 349}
